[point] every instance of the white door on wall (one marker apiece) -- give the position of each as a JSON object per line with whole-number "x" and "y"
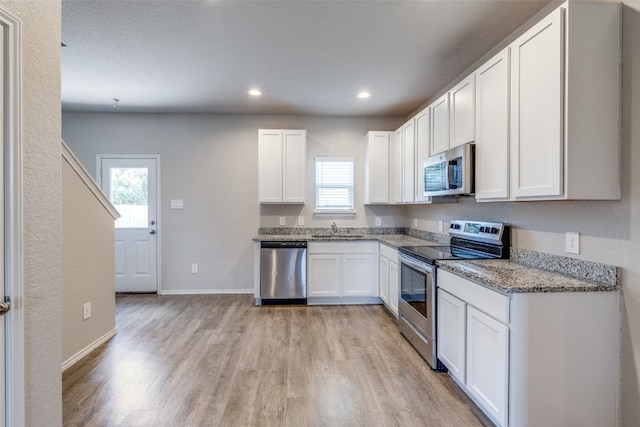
{"x": 132, "y": 186}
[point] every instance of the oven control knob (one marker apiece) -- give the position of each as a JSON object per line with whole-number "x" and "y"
{"x": 494, "y": 231}
{"x": 483, "y": 230}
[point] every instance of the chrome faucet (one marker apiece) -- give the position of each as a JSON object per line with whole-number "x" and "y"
{"x": 334, "y": 228}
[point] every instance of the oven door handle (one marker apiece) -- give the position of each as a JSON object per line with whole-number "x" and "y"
{"x": 416, "y": 264}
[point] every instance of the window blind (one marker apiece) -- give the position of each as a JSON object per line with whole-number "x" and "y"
{"x": 334, "y": 184}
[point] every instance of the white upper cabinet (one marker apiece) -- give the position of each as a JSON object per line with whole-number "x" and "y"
{"x": 462, "y": 99}
{"x": 396, "y": 167}
{"x": 408, "y": 162}
{"x": 453, "y": 117}
{"x": 281, "y": 165}
{"x": 440, "y": 125}
{"x": 378, "y": 167}
{"x": 421, "y": 124}
{"x": 492, "y": 128}
{"x": 565, "y": 105}
{"x": 536, "y": 107}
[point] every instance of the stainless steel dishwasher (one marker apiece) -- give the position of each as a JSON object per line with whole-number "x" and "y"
{"x": 283, "y": 273}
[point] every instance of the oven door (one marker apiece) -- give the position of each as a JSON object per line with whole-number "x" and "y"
{"x": 416, "y": 302}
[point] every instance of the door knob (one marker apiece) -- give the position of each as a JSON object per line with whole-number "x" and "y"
{"x": 152, "y": 232}
{"x": 4, "y": 307}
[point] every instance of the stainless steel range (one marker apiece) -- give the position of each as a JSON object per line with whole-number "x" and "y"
{"x": 417, "y": 302}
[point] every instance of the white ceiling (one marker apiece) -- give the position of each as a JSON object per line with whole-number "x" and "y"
{"x": 308, "y": 57}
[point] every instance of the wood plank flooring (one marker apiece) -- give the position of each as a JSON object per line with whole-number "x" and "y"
{"x": 218, "y": 360}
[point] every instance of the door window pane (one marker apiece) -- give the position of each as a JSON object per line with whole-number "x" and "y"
{"x": 130, "y": 195}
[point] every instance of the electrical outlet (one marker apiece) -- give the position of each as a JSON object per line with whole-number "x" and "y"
{"x": 441, "y": 226}
{"x": 572, "y": 242}
{"x": 194, "y": 268}
{"x": 415, "y": 222}
{"x": 86, "y": 311}
{"x": 378, "y": 221}
{"x": 300, "y": 220}
{"x": 282, "y": 220}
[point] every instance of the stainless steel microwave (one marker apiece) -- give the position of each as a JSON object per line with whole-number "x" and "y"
{"x": 451, "y": 172}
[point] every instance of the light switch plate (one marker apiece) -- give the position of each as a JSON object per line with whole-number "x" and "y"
{"x": 378, "y": 221}
{"x": 572, "y": 242}
{"x": 176, "y": 204}
{"x": 86, "y": 311}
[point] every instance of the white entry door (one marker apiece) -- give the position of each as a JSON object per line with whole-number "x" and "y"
{"x": 131, "y": 185}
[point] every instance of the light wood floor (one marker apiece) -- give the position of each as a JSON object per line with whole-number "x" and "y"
{"x": 218, "y": 360}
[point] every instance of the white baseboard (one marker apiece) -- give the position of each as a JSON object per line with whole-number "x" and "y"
{"x": 88, "y": 349}
{"x": 205, "y": 291}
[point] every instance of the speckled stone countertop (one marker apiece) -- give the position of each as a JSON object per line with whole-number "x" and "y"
{"x": 511, "y": 277}
{"x": 393, "y": 240}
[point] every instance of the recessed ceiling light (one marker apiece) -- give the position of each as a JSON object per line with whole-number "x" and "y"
{"x": 255, "y": 92}
{"x": 363, "y": 95}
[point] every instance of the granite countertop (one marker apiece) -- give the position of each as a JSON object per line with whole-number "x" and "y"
{"x": 393, "y": 240}
{"x": 511, "y": 277}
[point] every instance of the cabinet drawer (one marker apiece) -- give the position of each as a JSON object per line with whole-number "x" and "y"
{"x": 388, "y": 252}
{"x": 342, "y": 247}
{"x": 492, "y": 303}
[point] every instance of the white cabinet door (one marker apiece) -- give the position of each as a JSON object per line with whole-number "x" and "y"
{"x": 396, "y": 168}
{"x": 357, "y": 275}
{"x": 487, "y": 363}
{"x": 440, "y": 125}
{"x": 281, "y": 165}
{"x": 323, "y": 275}
{"x": 384, "y": 280}
{"x": 451, "y": 334}
{"x": 463, "y": 112}
{"x": 421, "y": 123}
{"x": 270, "y": 166}
{"x": 377, "y": 167}
{"x": 408, "y": 160}
{"x": 293, "y": 165}
{"x": 492, "y": 128}
{"x": 394, "y": 280}
{"x": 537, "y": 112}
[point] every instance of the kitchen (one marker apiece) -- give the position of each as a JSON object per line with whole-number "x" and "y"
{"x": 607, "y": 234}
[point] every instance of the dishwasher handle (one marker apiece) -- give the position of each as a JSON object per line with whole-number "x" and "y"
{"x": 283, "y": 245}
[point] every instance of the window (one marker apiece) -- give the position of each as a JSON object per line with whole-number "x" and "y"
{"x": 334, "y": 184}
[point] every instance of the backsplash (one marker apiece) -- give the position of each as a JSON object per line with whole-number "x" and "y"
{"x": 441, "y": 239}
{"x": 586, "y": 270}
{"x": 328, "y": 231}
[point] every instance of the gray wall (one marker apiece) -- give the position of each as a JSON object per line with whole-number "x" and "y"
{"x": 88, "y": 248}
{"x": 210, "y": 162}
{"x": 42, "y": 189}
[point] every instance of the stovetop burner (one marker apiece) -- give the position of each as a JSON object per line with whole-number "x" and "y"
{"x": 430, "y": 254}
{"x": 470, "y": 240}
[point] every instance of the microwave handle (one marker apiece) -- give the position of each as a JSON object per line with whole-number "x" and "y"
{"x": 451, "y": 170}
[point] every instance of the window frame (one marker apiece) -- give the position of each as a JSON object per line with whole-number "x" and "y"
{"x": 334, "y": 211}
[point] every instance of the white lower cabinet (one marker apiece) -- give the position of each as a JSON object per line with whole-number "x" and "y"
{"x": 342, "y": 273}
{"x": 324, "y": 275}
{"x": 472, "y": 344}
{"x": 529, "y": 359}
{"x": 389, "y": 278}
{"x": 394, "y": 287}
{"x": 488, "y": 363}
{"x": 451, "y": 334}
{"x": 357, "y": 275}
